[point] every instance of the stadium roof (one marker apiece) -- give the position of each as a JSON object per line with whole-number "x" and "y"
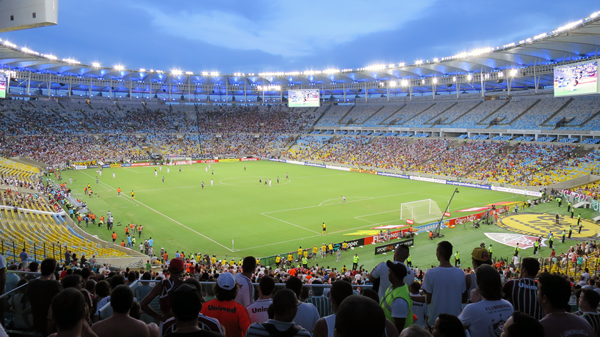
{"x": 575, "y": 41}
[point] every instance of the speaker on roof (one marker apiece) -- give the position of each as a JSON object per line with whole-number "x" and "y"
{"x": 19, "y": 14}
{"x": 448, "y": 85}
{"x": 500, "y": 80}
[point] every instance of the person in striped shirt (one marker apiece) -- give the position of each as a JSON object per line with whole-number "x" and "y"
{"x": 285, "y": 306}
{"x": 320, "y": 301}
{"x": 245, "y": 295}
{"x": 186, "y": 305}
{"x": 522, "y": 293}
{"x": 588, "y": 304}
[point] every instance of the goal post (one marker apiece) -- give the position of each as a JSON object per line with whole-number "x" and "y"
{"x": 420, "y": 211}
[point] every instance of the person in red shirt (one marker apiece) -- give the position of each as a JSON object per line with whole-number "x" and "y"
{"x": 232, "y": 315}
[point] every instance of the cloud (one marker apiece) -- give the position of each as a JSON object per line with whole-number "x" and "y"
{"x": 287, "y": 28}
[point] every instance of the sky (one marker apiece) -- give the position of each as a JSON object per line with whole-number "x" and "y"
{"x": 256, "y": 36}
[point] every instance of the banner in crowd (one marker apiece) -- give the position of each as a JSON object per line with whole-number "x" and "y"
{"x": 106, "y": 166}
{"x": 249, "y": 159}
{"x": 516, "y": 191}
{"x": 391, "y": 246}
{"x": 394, "y": 175}
{"x": 80, "y": 167}
{"x": 115, "y": 165}
{"x": 140, "y": 164}
{"x": 125, "y": 165}
{"x": 363, "y": 171}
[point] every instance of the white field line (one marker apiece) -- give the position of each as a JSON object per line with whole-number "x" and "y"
{"x": 173, "y": 220}
{"x": 343, "y": 230}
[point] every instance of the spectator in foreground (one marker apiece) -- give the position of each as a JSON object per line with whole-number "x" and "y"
{"x": 448, "y": 326}
{"x": 477, "y": 317}
{"x": 257, "y": 311}
{"x": 285, "y": 307}
{"x": 41, "y": 292}
{"x": 588, "y": 304}
{"x": 380, "y": 272}
{"x": 339, "y": 291}
{"x": 204, "y": 322}
{"x": 245, "y": 295}
{"x": 554, "y": 293}
{"x": 396, "y": 303}
{"x": 232, "y": 315}
{"x": 359, "y": 316}
{"x": 162, "y": 290}
{"x": 522, "y": 293}
{"x": 444, "y": 285}
{"x": 120, "y": 323}
{"x": 522, "y": 325}
{"x": 320, "y": 301}
{"x": 68, "y": 312}
{"x": 186, "y": 302}
{"x": 415, "y": 331}
{"x": 307, "y": 314}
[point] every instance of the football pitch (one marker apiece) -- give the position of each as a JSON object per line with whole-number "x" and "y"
{"x": 238, "y": 216}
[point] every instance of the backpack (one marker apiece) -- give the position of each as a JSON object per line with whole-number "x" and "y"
{"x": 273, "y": 332}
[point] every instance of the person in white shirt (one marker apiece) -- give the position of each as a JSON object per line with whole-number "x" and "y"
{"x": 487, "y": 317}
{"x": 245, "y": 295}
{"x": 380, "y": 272}
{"x": 444, "y": 285}
{"x": 307, "y": 314}
{"x": 339, "y": 291}
{"x": 257, "y": 311}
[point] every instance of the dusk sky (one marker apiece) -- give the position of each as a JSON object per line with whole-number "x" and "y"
{"x": 255, "y": 36}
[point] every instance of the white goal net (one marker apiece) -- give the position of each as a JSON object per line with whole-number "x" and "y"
{"x": 420, "y": 211}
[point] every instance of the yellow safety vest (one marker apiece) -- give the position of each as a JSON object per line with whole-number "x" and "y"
{"x": 355, "y": 259}
{"x": 388, "y": 299}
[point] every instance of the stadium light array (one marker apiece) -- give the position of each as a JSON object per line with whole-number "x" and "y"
{"x": 435, "y": 80}
{"x": 96, "y": 65}
{"x": 404, "y": 83}
{"x": 189, "y": 73}
{"x": 513, "y": 72}
{"x": 176, "y": 72}
{"x": 142, "y": 69}
{"x": 71, "y": 61}
{"x": 419, "y": 62}
{"x": 501, "y": 74}
{"x": 469, "y": 77}
{"x": 50, "y": 57}
{"x": 9, "y": 44}
{"x": 393, "y": 84}
{"x": 29, "y": 51}
{"x": 119, "y": 67}
{"x": 454, "y": 79}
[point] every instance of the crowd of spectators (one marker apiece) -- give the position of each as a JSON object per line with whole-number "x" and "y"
{"x": 395, "y": 299}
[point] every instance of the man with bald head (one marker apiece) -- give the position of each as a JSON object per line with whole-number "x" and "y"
{"x": 380, "y": 272}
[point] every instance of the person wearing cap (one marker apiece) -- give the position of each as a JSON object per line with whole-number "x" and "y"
{"x": 284, "y": 307}
{"x": 232, "y": 315}
{"x": 380, "y": 272}
{"x": 482, "y": 318}
{"x": 396, "y": 303}
{"x": 163, "y": 289}
{"x": 479, "y": 256}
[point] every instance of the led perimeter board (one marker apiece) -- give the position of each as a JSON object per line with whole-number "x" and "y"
{"x": 304, "y": 98}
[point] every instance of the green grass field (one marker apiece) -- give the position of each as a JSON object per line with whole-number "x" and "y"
{"x": 264, "y": 220}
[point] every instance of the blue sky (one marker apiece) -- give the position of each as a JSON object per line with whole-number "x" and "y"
{"x": 254, "y": 36}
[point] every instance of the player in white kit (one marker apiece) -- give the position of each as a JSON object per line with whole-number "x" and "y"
{"x": 269, "y": 182}
{"x": 156, "y": 173}
{"x": 168, "y": 170}
{"x": 114, "y": 175}
{"x": 206, "y": 169}
{"x": 211, "y": 183}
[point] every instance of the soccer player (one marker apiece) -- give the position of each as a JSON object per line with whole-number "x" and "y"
{"x": 212, "y": 172}
{"x": 269, "y": 182}
{"x": 179, "y": 169}
{"x": 323, "y": 250}
{"x": 168, "y": 170}
{"x": 343, "y": 199}
{"x": 324, "y": 229}
{"x": 299, "y": 253}
{"x": 203, "y": 185}
{"x": 155, "y": 173}
{"x": 287, "y": 176}
{"x": 259, "y": 180}
{"x": 70, "y": 181}
{"x": 315, "y": 251}
{"x": 163, "y": 179}
{"x": 211, "y": 183}
{"x": 118, "y": 192}
{"x": 114, "y": 175}
{"x": 206, "y": 169}
{"x": 96, "y": 180}
{"x": 244, "y": 168}
{"x": 132, "y": 194}
{"x": 339, "y": 255}
{"x": 278, "y": 180}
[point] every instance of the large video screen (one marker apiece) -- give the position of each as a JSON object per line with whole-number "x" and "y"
{"x": 304, "y": 98}
{"x": 576, "y": 79}
{"x": 2, "y": 86}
